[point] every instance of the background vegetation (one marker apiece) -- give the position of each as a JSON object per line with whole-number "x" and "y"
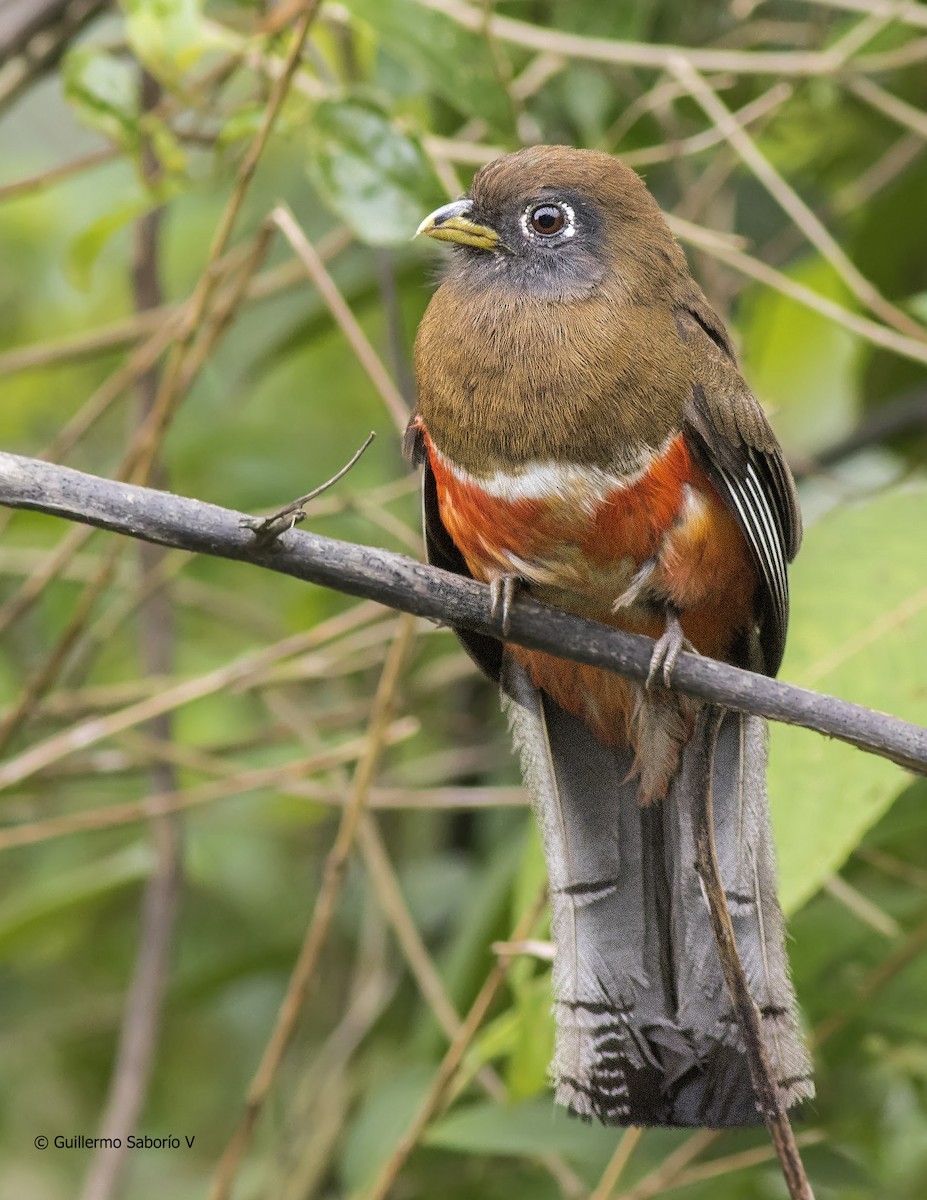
{"x": 160, "y": 875}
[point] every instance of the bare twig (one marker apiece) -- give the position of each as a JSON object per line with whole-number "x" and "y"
{"x": 170, "y": 391}
{"x": 907, "y": 11}
{"x": 267, "y": 529}
{"x": 796, "y": 63}
{"x": 791, "y": 203}
{"x": 611, "y": 1176}
{"x": 138, "y": 1034}
{"x": 52, "y": 175}
{"x": 332, "y": 877}
{"x": 890, "y": 106}
{"x": 287, "y": 777}
{"x": 328, "y": 289}
{"x": 33, "y": 37}
{"x": 765, "y": 1087}
{"x": 753, "y": 111}
{"x": 727, "y": 1164}
{"x": 42, "y": 679}
{"x": 661, "y": 1178}
{"x": 425, "y": 591}
{"x": 437, "y": 1093}
{"x": 74, "y": 347}
{"x": 904, "y": 952}
{"x": 393, "y": 905}
{"x": 872, "y": 331}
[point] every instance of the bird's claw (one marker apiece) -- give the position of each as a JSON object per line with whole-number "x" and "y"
{"x": 666, "y": 651}
{"x": 502, "y": 591}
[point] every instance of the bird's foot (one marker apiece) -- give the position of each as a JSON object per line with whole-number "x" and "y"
{"x": 502, "y": 589}
{"x": 666, "y": 651}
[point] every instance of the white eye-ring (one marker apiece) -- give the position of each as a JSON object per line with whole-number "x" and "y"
{"x": 549, "y": 220}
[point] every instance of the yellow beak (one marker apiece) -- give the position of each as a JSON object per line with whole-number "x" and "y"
{"x": 452, "y": 224}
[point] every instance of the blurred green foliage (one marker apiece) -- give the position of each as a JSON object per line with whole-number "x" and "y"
{"x": 395, "y": 103}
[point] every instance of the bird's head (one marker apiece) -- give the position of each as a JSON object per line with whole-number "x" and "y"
{"x": 554, "y": 223}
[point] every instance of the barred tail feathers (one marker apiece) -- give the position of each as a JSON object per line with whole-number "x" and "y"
{"x": 645, "y": 1029}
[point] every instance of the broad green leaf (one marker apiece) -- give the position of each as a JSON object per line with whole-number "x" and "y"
{"x": 858, "y": 630}
{"x": 383, "y": 1118}
{"x": 533, "y": 1046}
{"x": 51, "y": 899}
{"x": 453, "y": 60}
{"x": 104, "y": 92}
{"x": 87, "y": 246}
{"x": 802, "y": 366}
{"x": 371, "y": 173}
{"x": 534, "y": 1127}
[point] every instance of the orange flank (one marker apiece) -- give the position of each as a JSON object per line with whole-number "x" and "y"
{"x": 580, "y": 543}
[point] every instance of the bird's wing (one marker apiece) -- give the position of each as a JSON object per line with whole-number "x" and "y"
{"x": 441, "y": 551}
{"x": 732, "y": 441}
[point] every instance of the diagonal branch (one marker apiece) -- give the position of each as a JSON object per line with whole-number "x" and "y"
{"x": 428, "y": 592}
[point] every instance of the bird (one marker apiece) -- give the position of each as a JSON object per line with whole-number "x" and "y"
{"x": 587, "y": 439}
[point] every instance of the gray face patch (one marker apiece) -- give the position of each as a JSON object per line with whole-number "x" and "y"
{"x": 563, "y": 264}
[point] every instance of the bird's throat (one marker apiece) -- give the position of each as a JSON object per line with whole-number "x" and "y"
{"x": 506, "y": 381}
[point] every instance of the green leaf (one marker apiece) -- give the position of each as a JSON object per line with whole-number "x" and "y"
{"x": 56, "y": 898}
{"x": 104, "y": 92}
{"x": 88, "y": 245}
{"x": 168, "y": 36}
{"x": 859, "y": 627}
{"x": 372, "y": 174}
{"x": 454, "y": 61}
{"x": 535, "y": 1127}
{"x": 383, "y": 1118}
{"x": 533, "y": 1046}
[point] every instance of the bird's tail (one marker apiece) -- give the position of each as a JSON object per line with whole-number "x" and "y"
{"x": 646, "y": 1033}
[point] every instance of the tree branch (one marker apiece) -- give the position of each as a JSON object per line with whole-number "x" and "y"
{"x": 425, "y": 591}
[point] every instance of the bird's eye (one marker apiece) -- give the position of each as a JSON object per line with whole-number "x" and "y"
{"x": 547, "y": 219}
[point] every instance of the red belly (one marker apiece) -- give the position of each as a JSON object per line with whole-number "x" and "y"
{"x": 581, "y": 556}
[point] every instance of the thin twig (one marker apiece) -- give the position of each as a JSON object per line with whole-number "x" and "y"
{"x": 727, "y": 1164}
{"x": 292, "y": 778}
{"x": 75, "y": 347}
{"x": 328, "y": 289}
{"x": 285, "y": 777}
{"x": 52, "y": 175}
{"x": 765, "y": 1087}
{"x": 872, "y": 331}
{"x": 88, "y": 733}
{"x": 139, "y": 459}
{"x": 906, "y": 115}
{"x": 170, "y": 391}
{"x": 424, "y": 591}
{"x": 332, "y": 877}
{"x": 907, "y": 950}
{"x": 393, "y": 905}
{"x": 437, "y": 1093}
{"x": 661, "y": 1178}
{"x": 44, "y": 677}
{"x": 140, "y": 1027}
{"x": 795, "y": 63}
{"x": 791, "y": 203}
{"x": 697, "y": 143}
{"x": 907, "y": 11}
{"x": 611, "y": 1176}
{"x": 267, "y": 529}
